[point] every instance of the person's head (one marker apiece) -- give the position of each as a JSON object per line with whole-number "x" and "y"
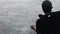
{"x": 47, "y": 6}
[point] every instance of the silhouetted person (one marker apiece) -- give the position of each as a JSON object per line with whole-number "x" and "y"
{"x": 44, "y": 24}
{"x": 48, "y": 23}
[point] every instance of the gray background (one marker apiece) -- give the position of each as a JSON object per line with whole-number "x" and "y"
{"x": 16, "y": 16}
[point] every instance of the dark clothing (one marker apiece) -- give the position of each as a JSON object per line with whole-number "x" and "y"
{"x": 42, "y": 24}
{"x": 56, "y": 20}
{"x": 49, "y": 25}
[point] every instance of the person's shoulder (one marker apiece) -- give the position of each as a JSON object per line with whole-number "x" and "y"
{"x": 40, "y": 15}
{"x": 56, "y": 12}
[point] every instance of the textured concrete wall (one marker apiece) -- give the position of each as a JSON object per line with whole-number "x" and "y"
{"x": 16, "y": 16}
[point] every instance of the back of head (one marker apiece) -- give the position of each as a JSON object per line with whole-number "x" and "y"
{"x": 47, "y": 6}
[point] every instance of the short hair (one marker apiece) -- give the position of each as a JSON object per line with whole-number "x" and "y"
{"x": 47, "y": 6}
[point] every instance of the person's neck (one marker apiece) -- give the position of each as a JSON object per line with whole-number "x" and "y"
{"x": 46, "y": 13}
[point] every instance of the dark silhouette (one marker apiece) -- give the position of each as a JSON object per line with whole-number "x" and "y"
{"x": 48, "y": 23}
{"x": 55, "y": 18}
